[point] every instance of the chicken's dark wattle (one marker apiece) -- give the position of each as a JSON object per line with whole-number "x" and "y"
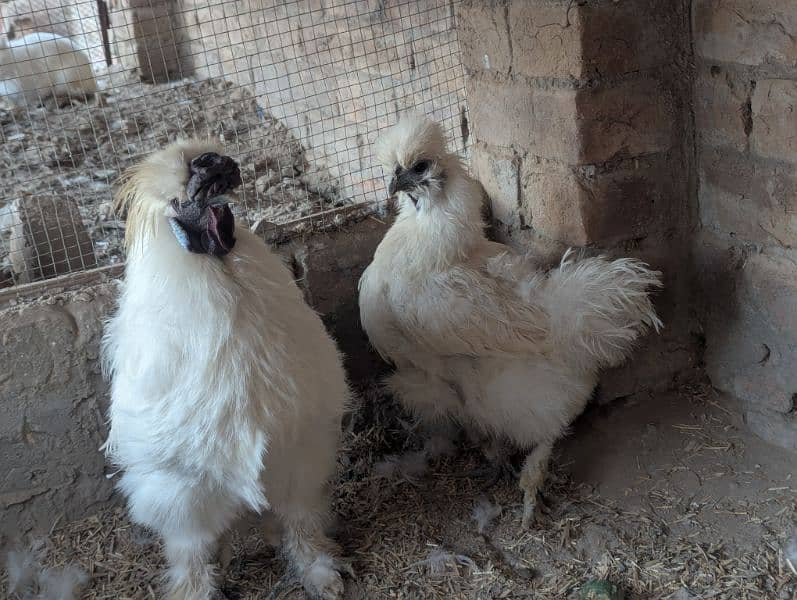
{"x": 204, "y": 223}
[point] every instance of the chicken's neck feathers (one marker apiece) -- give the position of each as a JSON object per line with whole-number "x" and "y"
{"x": 218, "y": 312}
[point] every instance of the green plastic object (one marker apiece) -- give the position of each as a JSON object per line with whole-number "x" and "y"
{"x": 601, "y": 589}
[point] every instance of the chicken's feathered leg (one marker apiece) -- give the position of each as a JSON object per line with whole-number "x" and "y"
{"x": 299, "y": 501}
{"x": 532, "y": 476}
{"x": 313, "y": 556}
{"x": 191, "y": 572}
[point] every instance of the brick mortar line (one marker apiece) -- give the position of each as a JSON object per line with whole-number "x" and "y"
{"x": 606, "y": 167}
{"x": 663, "y": 73}
{"x": 746, "y": 155}
{"x": 777, "y": 249}
{"x": 743, "y": 71}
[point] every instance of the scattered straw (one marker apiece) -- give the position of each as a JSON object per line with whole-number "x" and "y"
{"x": 416, "y": 540}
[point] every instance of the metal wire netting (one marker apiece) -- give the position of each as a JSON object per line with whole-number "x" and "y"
{"x": 296, "y": 90}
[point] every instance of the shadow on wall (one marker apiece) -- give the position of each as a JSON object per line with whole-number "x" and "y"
{"x": 748, "y": 350}
{"x": 745, "y": 91}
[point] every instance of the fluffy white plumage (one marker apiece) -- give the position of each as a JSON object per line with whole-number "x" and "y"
{"x": 43, "y": 64}
{"x": 227, "y": 392}
{"x": 477, "y": 333}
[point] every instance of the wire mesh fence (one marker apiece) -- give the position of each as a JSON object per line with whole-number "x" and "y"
{"x": 297, "y": 91}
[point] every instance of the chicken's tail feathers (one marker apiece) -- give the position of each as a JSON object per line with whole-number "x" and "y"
{"x": 599, "y": 308}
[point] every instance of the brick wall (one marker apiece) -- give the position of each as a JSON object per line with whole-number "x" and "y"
{"x": 664, "y": 130}
{"x": 583, "y": 137}
{"x": 745, "y": 102}
{"x": 336, "y": 72}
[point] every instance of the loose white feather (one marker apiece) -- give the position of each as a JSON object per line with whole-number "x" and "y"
{"x": 484, "y": 513}
{"x": 22, "y": 568}
{"x": 442, "y": 562}
{"x": 28, "y": 580}
{"x": 62, "y": 584}
{"x": 790, "y": 553}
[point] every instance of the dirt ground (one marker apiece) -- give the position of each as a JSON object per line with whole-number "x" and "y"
{"x": 78, "y": 151}
{"x": 666, "y": 496}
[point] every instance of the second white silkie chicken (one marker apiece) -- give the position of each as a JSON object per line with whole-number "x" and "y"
{"x": 227, "y": 391}
{"x": 477, "y": 333}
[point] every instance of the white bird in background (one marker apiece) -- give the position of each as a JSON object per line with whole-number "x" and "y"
{"x": 40, "y": 65}
{"x": 227, "y": 392}
{"x": 477, "y": 333}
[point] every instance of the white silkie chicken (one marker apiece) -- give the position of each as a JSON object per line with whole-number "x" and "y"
{"x": 478, "y": 334}
{"x": 227, "y": 392}
{"x": 40, "y": 65}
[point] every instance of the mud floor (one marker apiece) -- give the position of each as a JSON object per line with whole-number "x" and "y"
{"x": 667, "y": 496}
{"x": 78, "y": 151}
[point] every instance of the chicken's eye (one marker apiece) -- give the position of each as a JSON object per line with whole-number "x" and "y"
{"x": 421, "y": 167}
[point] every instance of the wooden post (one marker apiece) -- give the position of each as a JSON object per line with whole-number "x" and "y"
{"x": 105, "y": 25}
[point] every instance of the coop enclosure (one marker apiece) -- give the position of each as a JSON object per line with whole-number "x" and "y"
{"x": 296, "y": 91}
{"x": 659, "y": 130}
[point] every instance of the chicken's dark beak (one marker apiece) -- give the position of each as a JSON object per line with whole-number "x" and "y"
{"x": 404, "y": 181}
